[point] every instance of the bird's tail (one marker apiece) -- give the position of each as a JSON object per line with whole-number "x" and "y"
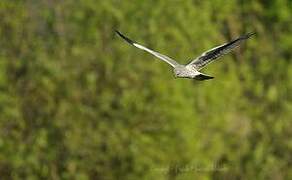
{"x": 202, "y": 77}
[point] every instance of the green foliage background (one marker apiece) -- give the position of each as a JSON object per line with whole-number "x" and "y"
{"x": 77, "y": 102}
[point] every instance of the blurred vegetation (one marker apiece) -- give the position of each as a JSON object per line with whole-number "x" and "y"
{"x": 77, "y": 102}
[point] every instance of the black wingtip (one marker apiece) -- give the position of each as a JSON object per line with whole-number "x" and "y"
{"x": 124, "y": 37}
{"x": 248, "y": 35}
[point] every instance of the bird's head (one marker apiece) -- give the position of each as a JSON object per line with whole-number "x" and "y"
{"x": 178, "y": 73}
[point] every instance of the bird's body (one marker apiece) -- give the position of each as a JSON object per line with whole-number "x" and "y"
{"x": 191, "y": 70}
{"x": 183, "y": 71}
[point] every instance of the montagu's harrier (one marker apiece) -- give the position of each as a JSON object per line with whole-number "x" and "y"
{"x": 191, "y": 70}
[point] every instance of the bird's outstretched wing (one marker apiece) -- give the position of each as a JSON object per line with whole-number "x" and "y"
{"x": 170, "y": 61}
{"x": 210, "y": 55}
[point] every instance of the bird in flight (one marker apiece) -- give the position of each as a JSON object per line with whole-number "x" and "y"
{"x": 191, "y": 70}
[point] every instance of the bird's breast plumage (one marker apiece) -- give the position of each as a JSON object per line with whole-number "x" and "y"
{"x": 185, "y": 72}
